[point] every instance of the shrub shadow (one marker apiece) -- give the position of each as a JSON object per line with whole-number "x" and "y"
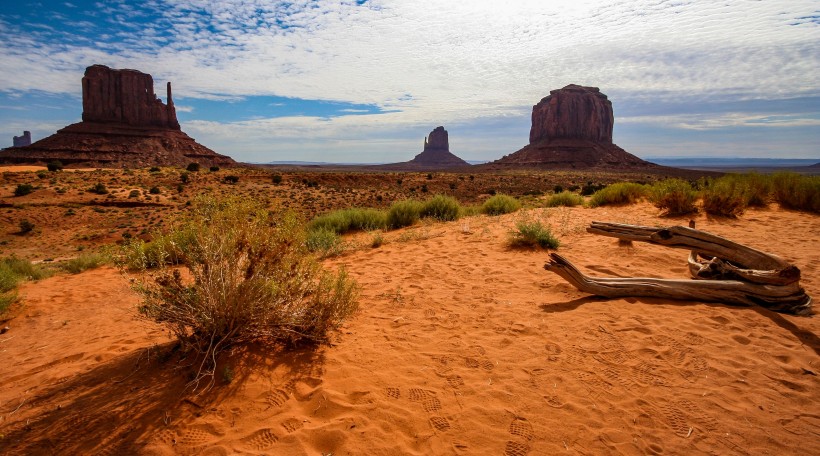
{"x": 117, "y": 407}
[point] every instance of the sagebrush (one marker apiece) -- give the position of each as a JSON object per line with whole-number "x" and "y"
{"x": 248, "y": 276}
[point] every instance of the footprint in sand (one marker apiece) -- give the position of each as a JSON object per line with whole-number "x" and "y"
{"x": 292, "y": 425}
{"x": 428, "y": 399}
{"x": 197, "y": 435}
{"x": 554, "y": 401}
{"x": 440, "y": 423}
{"x": 676, "y": 420}
{"x": 261, "y": 440}
{"x": 277, "y": 398}
{"x": 521, "y": 430}
{"x": 455, "y": 381}
{"x": 392, "y": 392}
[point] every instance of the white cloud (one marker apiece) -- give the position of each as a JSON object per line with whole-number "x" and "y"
{"x": 723, "y": 120}
{"x": 440, "y": 62}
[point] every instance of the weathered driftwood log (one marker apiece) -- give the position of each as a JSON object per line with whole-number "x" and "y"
{"x": 758, "y": 278}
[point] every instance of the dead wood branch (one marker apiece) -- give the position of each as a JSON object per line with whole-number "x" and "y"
{"x": 730, "y": 272}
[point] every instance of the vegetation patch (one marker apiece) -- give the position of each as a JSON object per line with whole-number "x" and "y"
{"x": 565, "y": 198}
{"x": 532, "y": 234}
{"x": 85, "y": 262}
{"x": 795, "y": 191}
{"x": 250, "y": 278}
{"x": 500, "y": 204}
{"x": 441, "y": 207}
{"x": 674, "y": 196}
{"x": 618, "y": 194}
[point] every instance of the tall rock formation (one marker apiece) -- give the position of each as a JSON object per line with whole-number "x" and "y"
{"x": 124, "y": 125}
{"x": 436, "y": 153}
{"x": 22, "y": 141}
{"x": 572, "y": 128}
{"x": 125, "y": 97}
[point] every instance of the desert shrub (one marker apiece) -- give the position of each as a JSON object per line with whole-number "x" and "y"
{"x": 14, "y": 270}
{"x": 23, "y": 189}
{"x": 565, "y": 198}
{"x": 154, "y": 169}
{"x": 55, "y": 165}
{"x": 675, "y": 196}
{"x": 185, "y": 177}
{"x": 26, "y": 226}
{"x": 276, "y": 179}
{"x": 231, "y": 179}
{"x": 500, "y": 204}
{"x": 590, "y": 188}
{"x": 345, "y": 220}
{"x": 213, "y": 169}
{"x": 532, "y": 234}
{"x": 134, "y": 194}
{"x": 84, "y": 262}
{"x": 192, "y": 167}
{"x": 441, "y": 207}
{"x": 162, "y": 250}
{"x": 98, "y": 188}
{"x": 615, "y": 194}
{"x": 795, "y": 191}
{"x": 404, "y": 213}
{"x": 154, "y": 190}
{"x": 377, "y": 240}
{"x": 725, "y": 196}
{"x": 251, "y": 278}
{"x": 324, "y": 242}
{"x": 757, "y": 187}
{"x": 6, "y": 300}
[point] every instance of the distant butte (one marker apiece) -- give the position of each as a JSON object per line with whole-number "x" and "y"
{"x": 436, "y": 154}
{"x": 124, "y": 125}
{"x": 572, "y": 129}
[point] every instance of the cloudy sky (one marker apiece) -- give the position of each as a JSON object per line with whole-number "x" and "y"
{"x": 364, "y": 81}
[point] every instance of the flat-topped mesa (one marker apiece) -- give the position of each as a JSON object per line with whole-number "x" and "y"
{"x": 437, "y": 140}
{"x": 125, "y": 97}
{"x": 573, "y": 112}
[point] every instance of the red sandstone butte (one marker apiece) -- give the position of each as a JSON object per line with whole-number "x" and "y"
{"x": 572, "y": 128}
{"x": 124, "y": 125}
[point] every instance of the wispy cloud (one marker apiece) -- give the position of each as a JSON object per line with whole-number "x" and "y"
{"x": 437, "y": 62}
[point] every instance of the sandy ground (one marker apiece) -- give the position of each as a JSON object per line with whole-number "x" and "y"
{"x": 461, "y": 346}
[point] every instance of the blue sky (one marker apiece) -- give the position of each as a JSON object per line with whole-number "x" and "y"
{"x": 365, "y": 81}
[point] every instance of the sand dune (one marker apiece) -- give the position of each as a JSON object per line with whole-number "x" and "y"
{"x": 461, "y": 346}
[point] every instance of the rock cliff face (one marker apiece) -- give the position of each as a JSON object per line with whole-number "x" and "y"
{"x": 22, "y": 141}
{"x": 436, "y": 153}
{"x": 437, "y": 140}
{"x": 572, "y": 129}
{"x": 574, "y": 112}
{"x": 125, "y": 97}
{"x": 124, "y": 125}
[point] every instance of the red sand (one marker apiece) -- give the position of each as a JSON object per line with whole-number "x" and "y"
{"x": 461, "y": 346}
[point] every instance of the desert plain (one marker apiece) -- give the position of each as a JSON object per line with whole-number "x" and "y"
{"x": 461, "y": 344}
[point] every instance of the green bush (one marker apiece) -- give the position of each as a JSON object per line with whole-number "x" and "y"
{"x": 404, "y": 213}
{"x": 213, "y": 169}
{"x": 14, "y": 270}
{"x": 154, "y": 169}
{"x": 795, "y": 191}
{"x": 276, "y": 179}
{"x": 533, "y": 234}
{"x": 617, "y": 194}
{"x": 163, "y": 250}
{"x": 345, "y": 220}
{"x": 565, "y": 198}
{"x": 500, "y": 204}
{"x": 6, "y": 300}
{"x": 231, "y": 179}
{"x": 23, "y": 189}
{"x": 726, "y": 196}
{"x": 98, "y": 188}
{"x": 441, "y": 207}
{"x": 193, "y": 167}
{"x": 675, "y": 196}
{"x": 154, "y": 190}
{"x": 26, "y": 226}
{"x": 251, "y": 278}
{"x": 55, "y": 165}
{"x": 757, "y": 187}
{"x": 84, "y": 262}
{"x": 324, "y": 242}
